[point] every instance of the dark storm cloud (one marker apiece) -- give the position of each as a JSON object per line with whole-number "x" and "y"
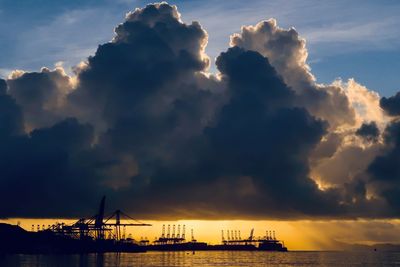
{"x": 391, "y": 104}
{"x": 260, "y": 134}
{"x": 163, "y": 139}
{"x": 368, "y": 131}
{"x": 149, "y": 64}
{"x": 3, "y": 87}
{"x": 48, "y": 173}
{"x": 40, "y": 95}
{"x": 11, "y": 118}
{"x": 287, "y": 53}
{"x": 250, "y": 160}
{"x": 385, "y": 169}
{"x": 146, "y": 90}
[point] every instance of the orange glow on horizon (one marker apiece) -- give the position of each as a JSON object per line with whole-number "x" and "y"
{"x": 297, "y": 235}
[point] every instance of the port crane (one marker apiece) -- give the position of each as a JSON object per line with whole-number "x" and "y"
{"x": 97, "y": 226}
{"x": 174, "y": 237}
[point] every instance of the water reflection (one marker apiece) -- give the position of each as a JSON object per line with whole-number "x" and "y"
{"x": 206, "y": 258}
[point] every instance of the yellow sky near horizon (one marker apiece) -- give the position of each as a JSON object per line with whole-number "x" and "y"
{"x": 297, "y": 235}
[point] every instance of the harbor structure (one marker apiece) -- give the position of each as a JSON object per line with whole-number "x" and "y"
{"x": 107, "y": 233}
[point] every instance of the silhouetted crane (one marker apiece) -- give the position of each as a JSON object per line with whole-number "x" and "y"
{"x": 96, "y": 226}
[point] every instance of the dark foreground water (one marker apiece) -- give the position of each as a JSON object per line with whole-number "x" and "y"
{"x": 208, "y": 258}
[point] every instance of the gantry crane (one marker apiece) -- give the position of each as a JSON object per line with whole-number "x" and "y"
{"x": 97, "y": 226}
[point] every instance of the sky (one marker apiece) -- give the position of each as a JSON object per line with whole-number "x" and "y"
{"x": 266, "y": 114}
{"x": 357, "y": 39}
{"x": 304, "y": 235}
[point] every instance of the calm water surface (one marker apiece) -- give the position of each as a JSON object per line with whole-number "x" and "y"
{"x": 208, "y": 258}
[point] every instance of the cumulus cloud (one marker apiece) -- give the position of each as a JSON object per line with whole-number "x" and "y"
{"x": 48, "y": 173}
{"x": 151, "y": 61}
{"x": 391, "y": 104}
{"x": 369, "y": 131}
{"x": 339, "y": 157}
{"x": 3, "y": 87}
{"x": 41, "y": 95}
{"x": 145, "y": 123}
{"x": 287, "y": 52}
{"x": 11, "y": 118}
{"x": 365, "y": 102}
{"x": 384, "y": 170}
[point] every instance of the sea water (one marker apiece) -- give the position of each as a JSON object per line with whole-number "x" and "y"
{"x": 208, "y": 258}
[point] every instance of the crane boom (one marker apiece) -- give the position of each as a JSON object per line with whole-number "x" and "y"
{"x": 100, "y": 214}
